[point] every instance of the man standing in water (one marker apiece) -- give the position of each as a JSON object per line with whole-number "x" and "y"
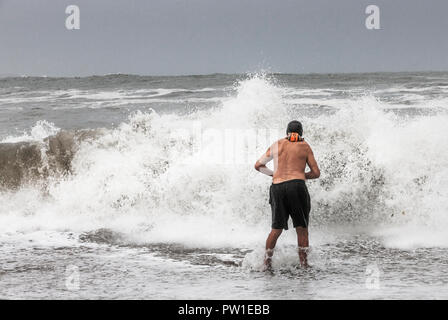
{"x": 288, "y": 194}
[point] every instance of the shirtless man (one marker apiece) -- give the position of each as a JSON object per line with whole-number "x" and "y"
{"x": 288, "y": 194}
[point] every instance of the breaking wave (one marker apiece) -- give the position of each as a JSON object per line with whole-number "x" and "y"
{"x": 189, "y": 178}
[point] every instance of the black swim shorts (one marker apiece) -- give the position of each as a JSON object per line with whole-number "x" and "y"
{"x": 289, "y": 198}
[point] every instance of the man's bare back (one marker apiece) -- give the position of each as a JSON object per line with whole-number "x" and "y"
{"x": 290, "y": 160}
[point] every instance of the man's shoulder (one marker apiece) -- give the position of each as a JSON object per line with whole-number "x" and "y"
{"x": 278, "y": 142}
{"x": 282, "y": 140}
{"x": 307, "y": 146}
{"x": 305, "y": 143}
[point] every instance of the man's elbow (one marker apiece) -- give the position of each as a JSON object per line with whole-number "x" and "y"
{"x": 314, "y": 173}
{"x": 257, "y": 166}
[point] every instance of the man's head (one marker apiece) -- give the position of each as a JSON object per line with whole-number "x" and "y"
{"x": 294, "y": 126}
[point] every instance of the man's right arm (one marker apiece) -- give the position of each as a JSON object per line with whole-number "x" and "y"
{"x": 314, "y": 172}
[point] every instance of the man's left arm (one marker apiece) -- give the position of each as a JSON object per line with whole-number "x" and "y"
{"x": 260, "y": 165}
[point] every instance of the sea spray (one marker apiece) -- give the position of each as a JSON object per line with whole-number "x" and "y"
{"x": 154, "y": 179}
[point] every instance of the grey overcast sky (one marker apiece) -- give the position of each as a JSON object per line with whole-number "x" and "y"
{"x": 165, "y": 37}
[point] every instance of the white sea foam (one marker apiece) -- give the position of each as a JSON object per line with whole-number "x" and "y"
{"x": 41, "y": 130}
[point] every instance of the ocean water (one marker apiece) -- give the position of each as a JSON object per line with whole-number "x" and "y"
{"x": 136, "y": 187}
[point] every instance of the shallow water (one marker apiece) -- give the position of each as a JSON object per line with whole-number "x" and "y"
{"x": 339, "y": 270}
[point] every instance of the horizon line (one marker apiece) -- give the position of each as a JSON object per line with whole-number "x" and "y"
{"x": 216, "y": 73}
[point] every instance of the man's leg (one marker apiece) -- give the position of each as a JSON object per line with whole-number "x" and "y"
{"x": 302, "y": 237}
{"x": 271, "y": 241}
